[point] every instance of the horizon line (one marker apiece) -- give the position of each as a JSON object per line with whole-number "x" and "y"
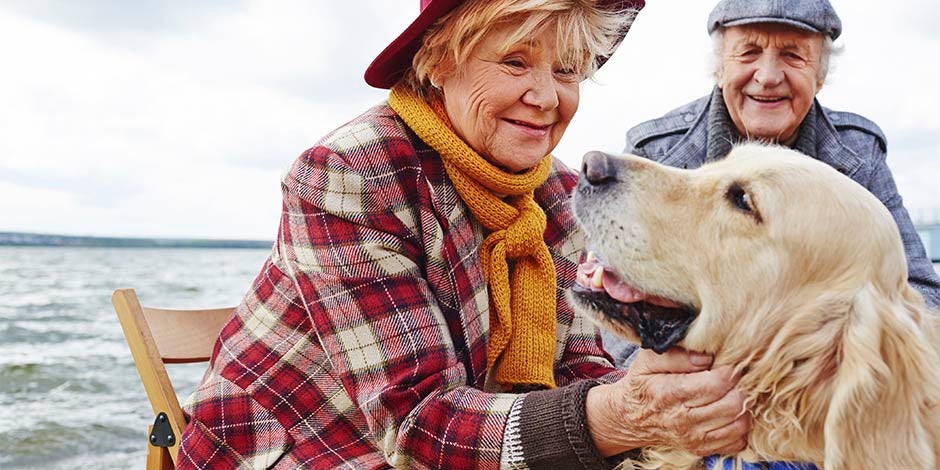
{"x": 10, "y": 238}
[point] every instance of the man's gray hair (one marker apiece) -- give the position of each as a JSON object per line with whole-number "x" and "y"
{"x": 829, "y": 51}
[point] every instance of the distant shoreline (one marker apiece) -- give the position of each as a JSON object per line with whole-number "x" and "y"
{"x": 52, "y": 240}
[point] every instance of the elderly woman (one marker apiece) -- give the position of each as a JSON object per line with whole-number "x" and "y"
{"x": 412, "y": 313}
{"x": 772, "y": 58}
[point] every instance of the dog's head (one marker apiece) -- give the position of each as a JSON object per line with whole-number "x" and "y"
{"x": 780, "y": 265}
{"x": 683, "y": 255}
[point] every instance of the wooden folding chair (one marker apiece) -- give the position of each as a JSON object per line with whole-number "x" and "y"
{"x": 157, "y": 337}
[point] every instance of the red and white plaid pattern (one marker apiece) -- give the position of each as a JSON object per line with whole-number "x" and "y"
{"x": 362, "y": 343}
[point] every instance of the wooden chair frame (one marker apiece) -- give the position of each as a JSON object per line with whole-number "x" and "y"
{"x": 157, "y": 337}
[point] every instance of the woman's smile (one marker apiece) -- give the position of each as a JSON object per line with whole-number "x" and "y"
{"x": 530, "y": 129}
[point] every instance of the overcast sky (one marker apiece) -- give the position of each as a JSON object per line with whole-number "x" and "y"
{"x": 157, "y": 118}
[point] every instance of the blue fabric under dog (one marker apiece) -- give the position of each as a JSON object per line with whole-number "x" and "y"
{"x": 712, "y": 462}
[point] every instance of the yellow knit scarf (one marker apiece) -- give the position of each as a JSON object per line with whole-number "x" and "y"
{"x": 522, "y": 293}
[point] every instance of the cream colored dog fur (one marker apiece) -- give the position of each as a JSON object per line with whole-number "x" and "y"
{"x": 799, "y": 279}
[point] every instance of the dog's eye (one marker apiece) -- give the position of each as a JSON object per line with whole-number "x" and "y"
{"x": 739, "y": 197}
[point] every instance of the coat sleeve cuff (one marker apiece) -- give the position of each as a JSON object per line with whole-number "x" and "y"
{"x": 554, "y": 431}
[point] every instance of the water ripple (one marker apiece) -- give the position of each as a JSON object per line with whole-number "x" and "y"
{"x": 70, "y": 396}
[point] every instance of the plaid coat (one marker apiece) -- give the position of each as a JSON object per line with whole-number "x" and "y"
{"x": 362, "y": 342}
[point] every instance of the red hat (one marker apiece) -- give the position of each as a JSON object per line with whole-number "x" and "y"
{"x": 395, "y": 60}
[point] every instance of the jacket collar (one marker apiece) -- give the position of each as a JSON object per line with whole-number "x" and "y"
{"x": 719, "y": 128}
{"x": 830, "y": 148}
{"x": 690, "y": 150}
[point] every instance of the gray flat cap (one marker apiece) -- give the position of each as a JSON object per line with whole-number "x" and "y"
{"x": 817, "y": 16}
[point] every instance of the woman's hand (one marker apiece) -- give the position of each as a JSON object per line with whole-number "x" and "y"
{"x": 673, "y": 400}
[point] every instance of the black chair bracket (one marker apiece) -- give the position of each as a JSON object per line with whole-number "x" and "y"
{"x": 162, "y": 433}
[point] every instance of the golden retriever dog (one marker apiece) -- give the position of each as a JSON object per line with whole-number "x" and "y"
{"x": 794, "y": 274}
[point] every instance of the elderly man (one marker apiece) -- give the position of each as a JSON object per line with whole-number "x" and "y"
{"x": 771, "y": 60}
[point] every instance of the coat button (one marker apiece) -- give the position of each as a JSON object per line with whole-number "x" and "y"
{"x": 688, "y": 117}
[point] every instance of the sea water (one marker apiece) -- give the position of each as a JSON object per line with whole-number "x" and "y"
{"x": 70, "y": 396}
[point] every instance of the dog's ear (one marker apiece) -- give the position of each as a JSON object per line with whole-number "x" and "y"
{"x": 884, "y": 395}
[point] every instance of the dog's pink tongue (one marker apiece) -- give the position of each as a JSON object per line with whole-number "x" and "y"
{"x": 627, "y": 294}
{"x": 592, "y": 275}
{"x": 620, "y": 290}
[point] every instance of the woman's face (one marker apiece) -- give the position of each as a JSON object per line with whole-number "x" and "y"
{"x": 511, "y": 106}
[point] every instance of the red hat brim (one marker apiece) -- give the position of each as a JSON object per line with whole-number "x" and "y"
{"x": 392, "y": 63}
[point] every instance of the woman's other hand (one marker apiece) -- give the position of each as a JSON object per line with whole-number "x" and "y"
{"x": 670, "y": 399}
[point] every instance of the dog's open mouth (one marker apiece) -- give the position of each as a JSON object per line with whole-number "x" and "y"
{"x": 660, "y": 323}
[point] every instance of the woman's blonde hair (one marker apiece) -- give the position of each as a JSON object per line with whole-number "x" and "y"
{"x": 586, "y": 30}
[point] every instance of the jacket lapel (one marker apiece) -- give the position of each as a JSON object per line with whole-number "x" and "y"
{"x": 830, "y": 148}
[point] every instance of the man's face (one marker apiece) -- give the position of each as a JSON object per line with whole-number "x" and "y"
{"x": 769, "y": 75}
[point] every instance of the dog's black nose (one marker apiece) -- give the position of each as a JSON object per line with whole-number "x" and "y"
{"x": 598, "y": 169}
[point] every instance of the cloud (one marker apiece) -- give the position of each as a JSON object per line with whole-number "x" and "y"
{"x": 914, "y": 159}
{"x": 158, "y": 118}
{"x": 104, "y": 18}
{"x": 921, "y": 16}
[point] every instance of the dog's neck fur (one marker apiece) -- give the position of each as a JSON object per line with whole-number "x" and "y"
{"x": 812, "y": 402}
{"x": 817, "y": 403}
{"x": 789, "y": 380}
